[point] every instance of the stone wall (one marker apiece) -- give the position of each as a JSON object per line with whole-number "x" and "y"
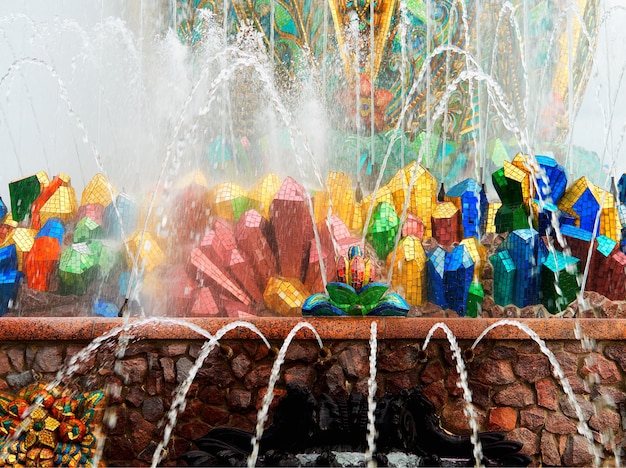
{"x": 511, "y": 382}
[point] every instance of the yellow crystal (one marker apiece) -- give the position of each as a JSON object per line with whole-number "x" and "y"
{"x": 98, "y": 190}
{"x": 409, "y": 270}
{"x": 285, "y": 296}
{"x": 262, "y": 194}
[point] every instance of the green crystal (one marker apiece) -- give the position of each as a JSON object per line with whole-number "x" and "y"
{"x": 383, "y": 228}
{"x": 23, "y": 193}
{"x": 509, "y": 191}
{"x": 240, "y": 206}
{"x": 559, "y": 283}
{"x": 76, "y": 269}
{"x": 475, "y": 298}
{"x": 510, "y": 218}
{"x": 87, "y": 229}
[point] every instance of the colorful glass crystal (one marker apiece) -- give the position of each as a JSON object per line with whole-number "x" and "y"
{"x": 383, "y": 229}
{"x": 261, "y": 195}
{"x": 76, "y": 269}
{"x": 23, "y": 193}
{"x": 445, "y": 223}
{"x": 469, "y": 197}
{"x": 99, "y": 190}
{"x": 559, "y": 282}
{"x": 229, "y": 201}
{"x": 409, "y": 271}
{"x": 41, "y": 262}
{"x": 458, "y": 276}
{"x": 503, "y": 277}
{"x": 285, "y": 296}
{"x": 87, "y": 229}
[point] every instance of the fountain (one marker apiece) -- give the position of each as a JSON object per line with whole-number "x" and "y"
{"x": 252, "y": 167}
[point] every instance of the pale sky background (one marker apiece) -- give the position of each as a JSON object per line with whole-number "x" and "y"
{"x": 41, "y": 125}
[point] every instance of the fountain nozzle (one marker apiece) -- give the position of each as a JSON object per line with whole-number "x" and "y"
{"x": 324, "y": 354}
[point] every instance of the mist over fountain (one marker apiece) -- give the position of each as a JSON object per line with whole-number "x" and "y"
{"x": 220, "y": 161}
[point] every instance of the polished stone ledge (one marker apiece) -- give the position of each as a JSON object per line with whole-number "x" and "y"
{"x": 329, "y": 328}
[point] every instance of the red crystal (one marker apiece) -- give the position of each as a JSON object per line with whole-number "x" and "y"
{"x": 252, "y": 236}
{"x": 41, "y": 200}
{"x": 180, "y": 291}
{"x": 95, "y": 211}
{"x": 42, "y": 261}
{"x": 204, "y": 304}
{"x": 293, "y": 228}
{"x": 215, "y": 274}
{"x": 413, "y": 226}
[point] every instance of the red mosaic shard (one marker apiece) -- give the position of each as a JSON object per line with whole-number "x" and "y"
{"x": 413, "y": 226}
{"x": 293, "y": 228}
{"x": 5, "y": 230}
{"x": 42, "y": 262}
{"x": 180, "y": 291}
{"x": 191, "y": 212}
{"x": 95, "y": 211}
{"x": 236, "y": 309}
{"x": 616, "y": 278}
{"x": 313, "y": 280}
{"x": 219, "y": 242}
{"x": 342, "y": 235}
{"x": 252, "y": 235}
{"x": 216, "y": 275}
{"x": 41, "y": 200}
{"x": 243, "y": 272}
{"x": 204, "y": 304}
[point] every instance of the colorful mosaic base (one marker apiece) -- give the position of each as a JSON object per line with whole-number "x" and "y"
{"x": 559, "y": 283}
{"x": 60, "y": 431}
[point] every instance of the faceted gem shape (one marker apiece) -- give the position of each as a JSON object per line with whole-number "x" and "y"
{"x": 261, "y": 195}
{"x": 76, "y": 269}
{"x": 478, "y": 252}
{"x": 383, "y": 229}
{"x": 503, "y": 277}
{"x": 621, "y": 189}
{"x": 475, "y": 298}
{"x": 559, "y": 282}
{"x": 62, "y": 204}
{"x": 94, "y": 211}
{"x": 87, "y": 229}
{"x": 42, "y": 199}
{"x": 458, "y": 275}
{"x": 190, "y": 212}
{"x": 469, "y": 197}
{"x": 241, "y": 270}
{"x": 527, "y": 252}
{"x": 512, "y": 184}
{"x": 621, "y": 212}
{"x": 120, "y": 217}
{"x": 218, "y": 276}
{"x": 99, "y": 190}
{"x": 6, "y": 234}
{"x": 293, "y": 228}
{"x": 490, "y": 221}
{"x": 616, "y": 276}
{"x": 285, "y": 296}
{"x": 413, "y": 226}
{"x": 219, "y": 242}
{"x": 313, "y": 280}
{"x": 583, "y": 200}
{"x": 204, "y": 304}
{"x": 551, "y": 180}
{"x": 3, "y": 210}
{"x": 107, "y": 255}
{"x": 436, "y": 284}
{"x": 341, "y": 234}
{"x": 53, "y": 228}
{"x": 578, "y": 240}
{"x": 342, "y": 196}
{"x": 42, "y": 262}
{"x": 9, "y": 284}
{"x": 180, "y": 288}
{"x": 147, "y": 254}
{"x": 229, "y": 201}
{"x": 23, "y": 193}
{"x": 8, "y": 258}
{"x": 23, "y": 238}
{"x": 409, "y": 271}
{"x": 422, "y": 197}
{"x": 510, "y": 218}
{"x": 382, "y": 196}
{"x": 445, "y": 222}
{"x": 252, "y": 234}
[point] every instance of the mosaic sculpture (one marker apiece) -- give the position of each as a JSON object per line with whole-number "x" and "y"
{"x": 355, "y": 293}
{"x": 61, "y": 430}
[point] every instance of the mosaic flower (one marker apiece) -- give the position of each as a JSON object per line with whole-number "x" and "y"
{"x": 56, "y": 427}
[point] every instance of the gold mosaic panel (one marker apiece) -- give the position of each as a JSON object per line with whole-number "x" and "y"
{"x": 62, "y": 204}
{"x": 409, "y": 271}
{"x": 492, "y": 209}
{"x": 98, "y": 190}
{"x": 149, "y": 254}
{"x": 478, "y": 252}
{"x": 262, "y": 194}
{"x": 222, "y": 196}
{"x": 285, "y": 296}
{"x": 342, "y": 195}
